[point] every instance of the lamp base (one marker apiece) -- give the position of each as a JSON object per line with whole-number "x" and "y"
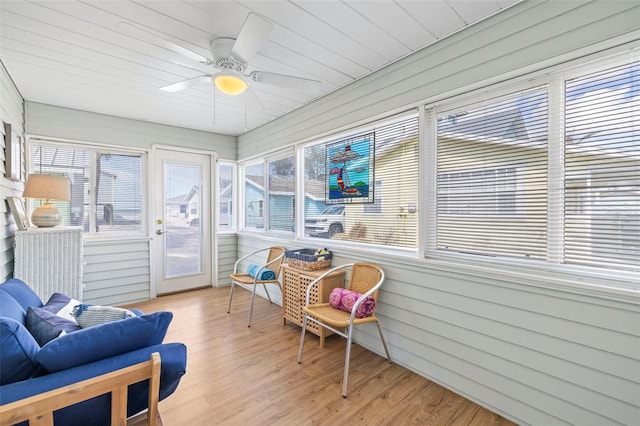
{"x": 47, "y": 215}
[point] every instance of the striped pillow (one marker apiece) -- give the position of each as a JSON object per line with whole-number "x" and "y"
{"x": 92, "y": 315}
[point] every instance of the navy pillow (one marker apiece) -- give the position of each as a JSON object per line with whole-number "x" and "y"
{"x": 45, "y": 325}
{"x": 104, "y": 341}
{"x": 17, "y": 352}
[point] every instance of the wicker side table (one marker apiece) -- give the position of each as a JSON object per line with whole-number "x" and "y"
{"x": 295, "y": 283}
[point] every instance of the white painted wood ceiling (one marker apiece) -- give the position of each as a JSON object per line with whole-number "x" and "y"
{"x": 74, "y": 54}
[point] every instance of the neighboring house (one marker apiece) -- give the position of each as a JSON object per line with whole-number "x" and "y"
{"x": 185, "y": 207}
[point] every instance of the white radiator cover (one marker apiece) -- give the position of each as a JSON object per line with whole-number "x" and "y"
{"x": 50, "y": 260}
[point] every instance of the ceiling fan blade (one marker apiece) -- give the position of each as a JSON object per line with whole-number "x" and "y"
{"x": 287, "y": 81}
{"x": 252, "y": 36}
{"x": 186, "y": 84}
{"x": 155, "y": 37}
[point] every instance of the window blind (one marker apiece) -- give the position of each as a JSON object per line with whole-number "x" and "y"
{"x": 602, "y": 169}
{"x": 388, "y": 213}
{"x": 491, "y": 177}
{"x": 106, "y": 187}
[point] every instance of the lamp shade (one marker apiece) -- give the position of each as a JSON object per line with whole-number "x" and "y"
{"x": 46, "y": 187}
{"x": 230, "y": 84}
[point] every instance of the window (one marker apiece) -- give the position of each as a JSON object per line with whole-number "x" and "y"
{"x": 106, "y": 186}
{"x": 602, "y": 168}
{"x": 390, "y": 217}
{"x": 505, "y": 189}
{"x": 277, "y": 189}
{"x": 254, "y": 191}
{"x": 491, "y": 177}
{"x": 226, "y": 172}
{"x": 376, "y": 206}
{"x": 282, "y": 175}
{"x": 494, "y": 191}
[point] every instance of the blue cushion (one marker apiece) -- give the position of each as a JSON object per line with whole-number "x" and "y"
{"x": 23, "y": 294}
{"x": 103, "y": 341}
{"x": 45, "y": 326}
{"x": 97, "y": 410}
{"x": 10, "y": 308}
{"x": 17, "y": 352}
{"x": 265, "y": 274}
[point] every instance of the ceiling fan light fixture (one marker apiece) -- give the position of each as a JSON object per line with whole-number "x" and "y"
{"x": 230, "y": 84}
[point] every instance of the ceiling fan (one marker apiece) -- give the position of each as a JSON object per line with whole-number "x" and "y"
{"x": 230, "y": 57}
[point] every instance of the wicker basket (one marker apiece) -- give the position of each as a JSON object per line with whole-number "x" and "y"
{"x": 306, "y": 260}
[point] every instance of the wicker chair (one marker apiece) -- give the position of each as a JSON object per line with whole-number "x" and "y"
{"x": 366, "y": 279}
{"x": 274, "y": 260}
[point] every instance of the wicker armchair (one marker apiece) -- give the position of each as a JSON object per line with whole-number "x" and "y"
{"x": 366, "y": 280}
{"x": 274, "y": 260}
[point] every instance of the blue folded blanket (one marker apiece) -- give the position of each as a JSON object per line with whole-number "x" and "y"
{"x": 265, "y": 274}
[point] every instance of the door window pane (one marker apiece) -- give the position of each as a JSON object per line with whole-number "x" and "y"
{"x": 182, "y": 227}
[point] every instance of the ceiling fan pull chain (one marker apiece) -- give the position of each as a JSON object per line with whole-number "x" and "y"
{"x": 214, "y": 105}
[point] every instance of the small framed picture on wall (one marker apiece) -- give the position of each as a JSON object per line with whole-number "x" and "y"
{"x": 19, "y": 213}
{"x": 13, "y": 150}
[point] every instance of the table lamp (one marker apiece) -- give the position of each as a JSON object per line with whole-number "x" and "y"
{"x": 46, "y": 187}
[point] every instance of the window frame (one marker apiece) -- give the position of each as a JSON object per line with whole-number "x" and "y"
{"x": 263, "y": 203}
{"x": 554, "y": 80}
{"x": 94, "y": 149}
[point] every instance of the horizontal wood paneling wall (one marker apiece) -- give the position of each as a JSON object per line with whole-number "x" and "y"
{"x": 53, "y": 121}
{"x": 535, "y": 355}
{"x": 11, "y": 111}
{"x": 227, "y": 256}
{"x": 116, "y": 272}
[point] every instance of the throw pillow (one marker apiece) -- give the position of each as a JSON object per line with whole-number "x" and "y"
{"x": 61, "y": 305}
{"x": 265, "y": 273}
{"x": 92, "y": 315}
{"x": 104, "y": 341}
{"x": 45, "y": 325}
{"x": 344, "y": 300}
{"x": 18, "y": 350}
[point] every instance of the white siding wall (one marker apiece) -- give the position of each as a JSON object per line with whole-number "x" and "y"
{"x": 119, "y": 272}
{"x": 11, "y": 111}
{"x": 116, "y": 272}
{"x": 535, "y": 352}
{"x": 227, "y": 256}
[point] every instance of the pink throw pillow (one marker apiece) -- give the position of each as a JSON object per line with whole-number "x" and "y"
{"x": 344, "y": 300}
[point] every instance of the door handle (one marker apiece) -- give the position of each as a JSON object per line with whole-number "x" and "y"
{"x": 159, "y": 232}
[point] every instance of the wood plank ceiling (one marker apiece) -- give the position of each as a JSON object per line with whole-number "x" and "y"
{"x": 76, "y": 54}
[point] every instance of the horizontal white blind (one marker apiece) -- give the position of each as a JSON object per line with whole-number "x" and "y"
{"x": 602, "y": 169}
{"x": 386, "y": 214}
{"x": 106, "y": 187}
{"x": 491, "y": 183}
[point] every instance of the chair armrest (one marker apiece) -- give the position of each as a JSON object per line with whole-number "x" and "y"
{"x": 39, "y": 408}
{"x": 321, "y": 277}
{"x": 173, "y": 367}
{"x": 235, "y": 265}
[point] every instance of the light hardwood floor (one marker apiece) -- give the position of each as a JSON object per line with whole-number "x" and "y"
{"x": 249, "y": 376}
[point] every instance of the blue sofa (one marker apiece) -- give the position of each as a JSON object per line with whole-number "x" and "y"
{"x": 28, "y": 369}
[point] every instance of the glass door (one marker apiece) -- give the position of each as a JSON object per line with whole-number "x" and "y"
{"x": 182, "y": 222}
